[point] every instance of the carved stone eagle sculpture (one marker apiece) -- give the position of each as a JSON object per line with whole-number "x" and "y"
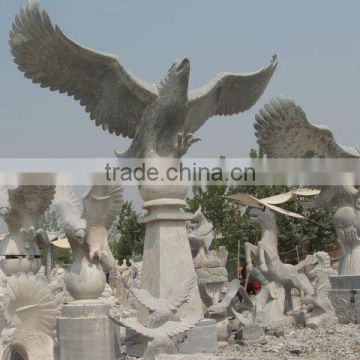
{"x": 86, "y": 222}
{"x": 161, "y": 339}
{"x": 159, "y": 117}
{"x": 283, "y": 131}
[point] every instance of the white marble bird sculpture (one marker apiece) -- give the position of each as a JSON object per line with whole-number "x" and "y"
{"x": 86, "y": 222}
{"x": 164, "y": 309}
{"x": 159, "y": 117}
{"x": 283, "y": 131}
{"x": 31, "y": 315}
{"x": 160, "y": 339}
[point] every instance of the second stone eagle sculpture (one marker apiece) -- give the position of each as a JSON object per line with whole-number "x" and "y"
{"x": 86, "y": 228}
{"x": 159, "y": 117}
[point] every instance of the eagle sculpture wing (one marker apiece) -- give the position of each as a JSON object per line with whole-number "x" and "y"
{"x": 172, "y": 328}
{"x": 102, "y": 205}
{"x": 68, "y": 207}
{"x": 282, "y": 130}
{"x": 114, "y": 98}
{"x": 226, "y": 94}
{"x": 182, "y": 296}
{"x": 35, "y": 199}
{"x": 144, "y": 297}
{"x": 134, "y": 325}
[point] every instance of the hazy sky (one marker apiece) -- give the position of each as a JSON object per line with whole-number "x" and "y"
{"x": 317, "y": 41}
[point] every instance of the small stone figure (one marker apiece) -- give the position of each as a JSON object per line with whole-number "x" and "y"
{"x": 21, "y": 209}
{"x": 321, "y": 309}
{"x": 347, "y": 225}
{"x": 31, "y": 315}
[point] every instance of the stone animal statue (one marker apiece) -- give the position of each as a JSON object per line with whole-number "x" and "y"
{"x": 21, "y": 208}
{"x": 265, "y": 256}
{"x": 159, "y": 117}
{"x": 321, "y": 309}
{"x": 283, "y": 131}
{"x": 31, "y": 319}
{"x": 164, "y": 309}
{"x": 86, "y": 225}
{"x": 161, "y": 339}
{"x": 201, "y": 239}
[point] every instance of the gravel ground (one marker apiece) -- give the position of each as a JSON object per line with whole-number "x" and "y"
{"x": 334, "y": 342}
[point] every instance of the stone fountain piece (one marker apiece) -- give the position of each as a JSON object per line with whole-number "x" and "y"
{"x": 21, "y": 209}
{"x": 283, "y": 131}
{"x": 159, "y": 118}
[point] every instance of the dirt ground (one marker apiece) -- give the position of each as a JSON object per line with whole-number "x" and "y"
{"x": 335, "y": 342}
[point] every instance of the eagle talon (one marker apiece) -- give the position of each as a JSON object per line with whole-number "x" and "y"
{"x": 184, "y": 142}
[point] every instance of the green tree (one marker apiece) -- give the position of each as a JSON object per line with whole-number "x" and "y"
{"x": 126, "y": 236}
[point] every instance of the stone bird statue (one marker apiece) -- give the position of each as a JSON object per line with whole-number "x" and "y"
{"x": 86, "y": 225}
{"x": 164, "y": 309}
{"x": 31, "y": 318}
{"x": 283, "y": 131}
{"x": 160, "y": 339}
{"x": 87, "y": 222}
{"x": 159, "y": 117}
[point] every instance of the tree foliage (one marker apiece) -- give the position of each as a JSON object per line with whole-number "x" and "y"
{"x": 126, "y": 237}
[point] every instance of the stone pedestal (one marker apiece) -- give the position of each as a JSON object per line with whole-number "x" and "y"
{"x": 345, "y": 297}
{"x": 85, "y": 331}
{"x": 168, "y": 262}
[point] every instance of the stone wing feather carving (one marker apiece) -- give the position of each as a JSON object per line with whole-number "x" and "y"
{"x": 114, "y": 98}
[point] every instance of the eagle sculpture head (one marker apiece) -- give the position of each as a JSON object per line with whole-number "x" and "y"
{"x": 176, "y": 80}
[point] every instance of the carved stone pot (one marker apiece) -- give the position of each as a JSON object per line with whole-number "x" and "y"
{"x": 85, "y": 280}
{"x": 19, "y": 257}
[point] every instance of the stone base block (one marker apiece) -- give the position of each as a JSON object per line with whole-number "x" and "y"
{"x": 200, "y": 339}
{"x": 250, "y": 332}
{"x": 345, "y": 298}
{"x": 85, "y": 332}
